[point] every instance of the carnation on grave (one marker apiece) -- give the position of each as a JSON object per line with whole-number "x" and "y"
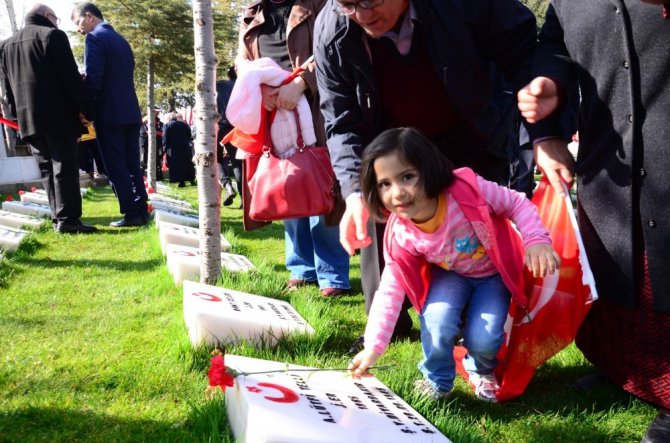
{"x": 215, "y": 315}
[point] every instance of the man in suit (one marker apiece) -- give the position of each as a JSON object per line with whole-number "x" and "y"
{"x": 46, "y": 92}
{"x": 109, "y": 65}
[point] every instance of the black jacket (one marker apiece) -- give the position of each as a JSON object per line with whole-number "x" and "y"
{"x": 42, "y": 83}
{"x": 464, "y": 39}
{"x": 618, "y": 52}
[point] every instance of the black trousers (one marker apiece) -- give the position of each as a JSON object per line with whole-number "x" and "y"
{"x": 372, "y": 265}
{"x": 236, "y": 164}
{"x": 59, "y": 166}
{"x": 120, "y": 149}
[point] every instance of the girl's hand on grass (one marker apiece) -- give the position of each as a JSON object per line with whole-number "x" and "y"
{"x": 542, "y": 258}
{"x": 361, "y": 362}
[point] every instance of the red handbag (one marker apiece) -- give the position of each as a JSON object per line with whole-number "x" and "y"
{"x": 298, "y": 186}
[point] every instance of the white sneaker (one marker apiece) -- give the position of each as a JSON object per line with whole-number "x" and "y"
{"x": 486, "y": 386}
{"x": 426, "y": 389}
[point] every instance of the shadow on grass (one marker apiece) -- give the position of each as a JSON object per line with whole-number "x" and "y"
{"x": 54, "y": 424}
{"x": 118, "y": 265}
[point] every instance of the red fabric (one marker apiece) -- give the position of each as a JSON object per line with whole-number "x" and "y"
{"x": 558, "y": 305}
{"x": 631, "y": 346}
{"x": 217, "y": 373}
{"x": 10, "y": 123}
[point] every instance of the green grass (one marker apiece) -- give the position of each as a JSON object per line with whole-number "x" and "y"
{"x": 93, "y": 347}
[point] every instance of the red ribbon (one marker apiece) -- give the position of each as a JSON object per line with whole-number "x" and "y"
{"x": 11, "y": 124}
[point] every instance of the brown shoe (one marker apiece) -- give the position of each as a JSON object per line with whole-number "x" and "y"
{"x": 295, "y": 283}
{"x": 333, "y": 292}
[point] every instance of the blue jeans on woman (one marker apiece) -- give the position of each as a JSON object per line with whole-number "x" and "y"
{"x": 479, "y": 307}
{"x": 314, "y": 252}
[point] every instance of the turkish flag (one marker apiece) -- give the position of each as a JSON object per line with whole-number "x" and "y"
{"x": 558, "y": 302}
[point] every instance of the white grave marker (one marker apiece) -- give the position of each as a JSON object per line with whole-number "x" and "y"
{"x": 318, "y": 407}
{"x": 165, "y": 206}
{"x": 20, "y": 220}
{"x": 216, "y": 315}
{"x": 162, "y": 198}
{"x": 184, "y": 236}
{"x": 34, "y": 197}
{"x": 161, "y": 215}
{"x": 183, "y": 262}
{"x": 11, "y": 238}
{"x": 27, "y": 208}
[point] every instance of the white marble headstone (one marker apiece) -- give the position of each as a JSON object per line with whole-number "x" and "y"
{"x": 318, "y": 407}
{"x": 183, "y": 235}
{"x": 34, "y": 197}
{"x": 175, "y": 201}
{"x": 173, "y": 207}
{"x": 11, "y": 238}
{"x": 27, "y": 208}
{"x": 20, "y": 220}
{"x": 183, "y": 262}
{"x": 216, "y": 315}
{"x": 161, "y": 215}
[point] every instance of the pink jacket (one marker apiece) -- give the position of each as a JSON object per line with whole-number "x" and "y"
{"x": 502, "y": 243}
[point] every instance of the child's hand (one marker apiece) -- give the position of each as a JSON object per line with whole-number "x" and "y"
{"x": 361, "y": 362}
{"x": 542, "y": 258}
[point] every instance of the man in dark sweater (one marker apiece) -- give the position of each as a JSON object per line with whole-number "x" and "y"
{"x": 46, "y": 93}
{"x": 422, "y": 63}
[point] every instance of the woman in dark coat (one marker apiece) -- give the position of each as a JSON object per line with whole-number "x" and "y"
{"x": 177, "y": 144}
{"x": 618, "y": 53}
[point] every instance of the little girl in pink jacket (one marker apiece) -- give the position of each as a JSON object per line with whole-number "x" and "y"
{"x": 451, "y": 249}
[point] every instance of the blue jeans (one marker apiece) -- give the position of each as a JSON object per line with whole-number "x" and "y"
{"x": 314, "y": 252}
{"x": 479, "y": 307}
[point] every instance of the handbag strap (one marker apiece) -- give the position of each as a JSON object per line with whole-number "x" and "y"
{"x": 300, "y": 143}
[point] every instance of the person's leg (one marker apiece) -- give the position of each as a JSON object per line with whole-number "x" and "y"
{"x": 299, "y": 250}
{"x": 525, "y": 179}
{"x": 440, "y": 321}
{"x": 65, "y": 163}
{"x": 330, "y": 259}
{"x": 483, "y": 331}
{"x": 132, "y": 156}
{"x": 40, "y": 150}
{"x": 111, "y": 145}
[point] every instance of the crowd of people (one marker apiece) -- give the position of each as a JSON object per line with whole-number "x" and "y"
{"x": 424, "y": 106}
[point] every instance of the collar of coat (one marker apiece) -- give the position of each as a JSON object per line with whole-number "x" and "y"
{"x": 38, "y": 20}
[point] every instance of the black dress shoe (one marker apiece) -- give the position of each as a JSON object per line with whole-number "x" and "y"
{"x": 136, "y": 220}
{"x": 74, "y": 228}
{"x": 659, "y": 429}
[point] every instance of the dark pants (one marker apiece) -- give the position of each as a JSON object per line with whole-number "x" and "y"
{"x": 89, "y": 153}
{"x": 120, "y": 150}
{"x": 224, "y": 173}
{"x": 372, "y": 265}
{"x": 59, "y": 166}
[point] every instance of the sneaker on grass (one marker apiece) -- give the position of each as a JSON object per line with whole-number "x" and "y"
{"x": 486, "y": 386}
{"x": 425, "y": 388}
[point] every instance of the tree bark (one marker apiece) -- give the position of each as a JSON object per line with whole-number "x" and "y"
{"x": 151, "y": 126}
{"x": 206, "y": 119}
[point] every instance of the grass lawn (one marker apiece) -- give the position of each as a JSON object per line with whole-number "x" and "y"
{"x": 93, "y": 347}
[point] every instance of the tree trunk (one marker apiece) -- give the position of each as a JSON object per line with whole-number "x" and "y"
{"x": 206, "y": 119}
{"x": 11, "y": 15}
{"x": 151, "y": 126}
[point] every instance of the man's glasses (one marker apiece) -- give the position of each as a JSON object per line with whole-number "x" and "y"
{"x": 346, "y": 8}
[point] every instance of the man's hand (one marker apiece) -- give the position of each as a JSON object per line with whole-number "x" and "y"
{"x": 83, "y": 120}
{"x": 269, "y": 94}
{"x": 554, "y": 159}
{"x": 354, "y": 225}
{"x": 290, "y": 93}
{"x": 538, "y": 99}
{"x": 361, "y": 362}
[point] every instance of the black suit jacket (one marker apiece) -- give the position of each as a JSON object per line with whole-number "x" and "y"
{"x": 42, "y": 83}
